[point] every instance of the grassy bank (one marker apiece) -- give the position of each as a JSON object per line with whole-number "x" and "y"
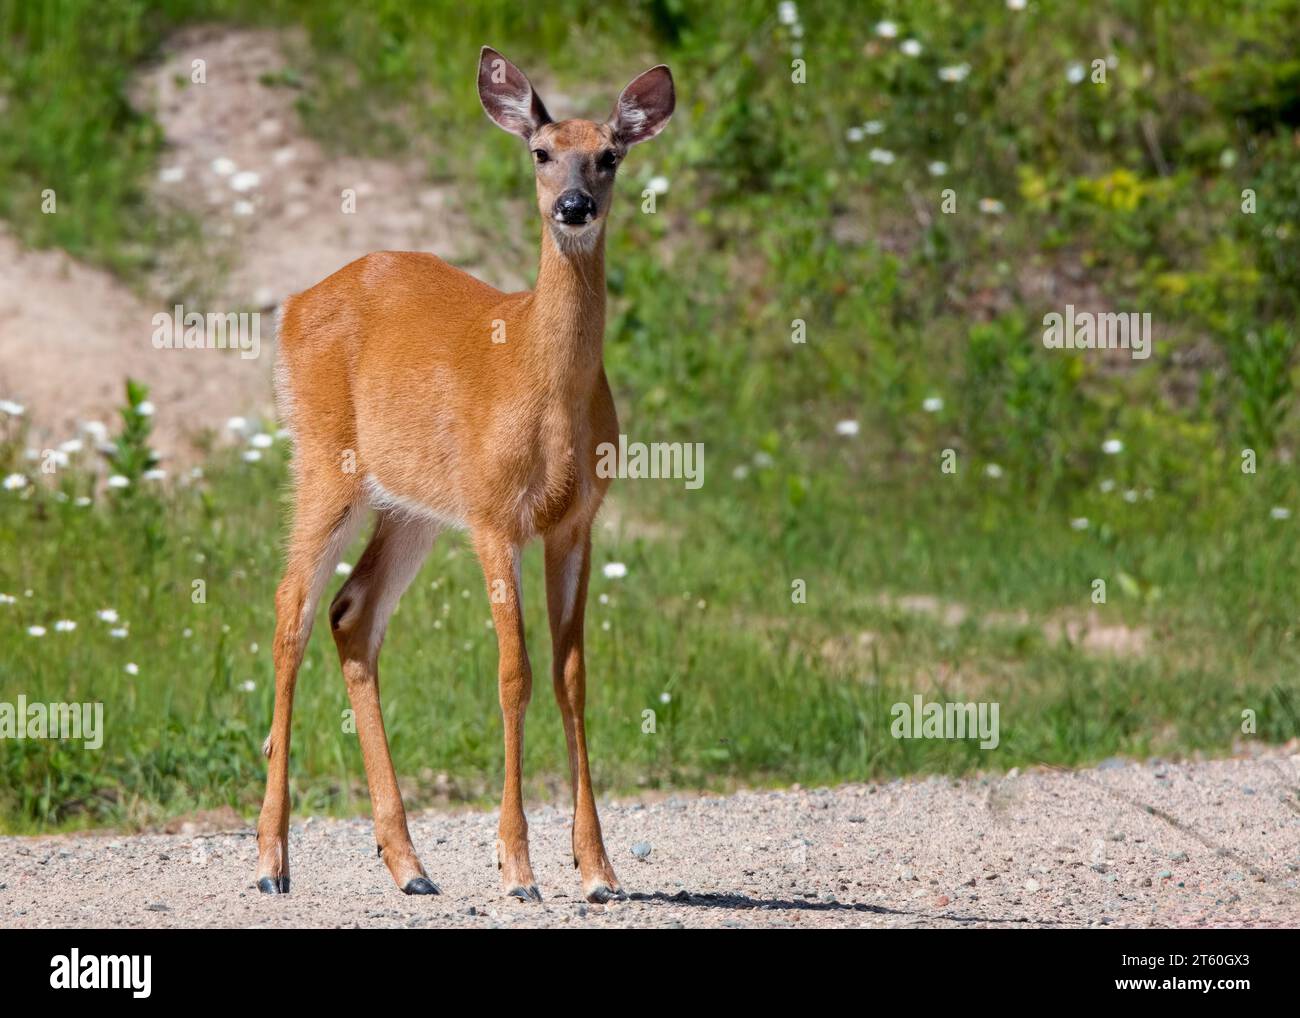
{"x": 821, "y": 202}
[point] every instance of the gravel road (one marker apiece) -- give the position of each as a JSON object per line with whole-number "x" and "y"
{"x": 1190, "y": 844}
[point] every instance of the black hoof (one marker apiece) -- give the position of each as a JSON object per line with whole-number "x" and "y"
{"x": 273, "y": 885}
{"x": 529, "y": 893}
{"x": 421, "y": 885}
{"x": 602, "y": 894}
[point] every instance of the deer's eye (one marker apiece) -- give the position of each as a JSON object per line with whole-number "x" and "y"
{"x": 608, "y": 160}
{"x": 542, "y": 155}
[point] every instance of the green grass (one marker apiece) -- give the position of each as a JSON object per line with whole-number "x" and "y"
{"x": 761, "y": 690}
{"x": 1127, "y": 196}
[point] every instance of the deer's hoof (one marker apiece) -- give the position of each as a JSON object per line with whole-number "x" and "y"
{"x": 421, "y": 885}
{"x": 603, "y": 893}
{"x": 273, "y": 885}
{"x": 529, "y": 893}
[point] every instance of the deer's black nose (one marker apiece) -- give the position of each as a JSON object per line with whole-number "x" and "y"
{"x": 575, "y": 208}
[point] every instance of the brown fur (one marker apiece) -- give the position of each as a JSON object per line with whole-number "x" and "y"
{"x": 401, "y": 401}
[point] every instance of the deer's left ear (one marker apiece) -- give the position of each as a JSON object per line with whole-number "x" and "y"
{"x": 508, "y": 96}
{"x": 644, "y": 106}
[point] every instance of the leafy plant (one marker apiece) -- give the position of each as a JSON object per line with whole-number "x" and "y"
{"x": 1261, "y": 363}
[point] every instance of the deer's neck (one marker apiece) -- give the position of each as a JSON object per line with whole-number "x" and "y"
{"x": 567, "y": 313}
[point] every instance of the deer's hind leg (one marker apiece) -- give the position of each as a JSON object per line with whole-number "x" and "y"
{"x": 326, "y": 517}
{"x": 359, "y": 618}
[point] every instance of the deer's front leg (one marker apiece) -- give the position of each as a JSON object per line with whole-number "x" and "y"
{"x": 568, "y": 564}
{"x": 500, "y": 559}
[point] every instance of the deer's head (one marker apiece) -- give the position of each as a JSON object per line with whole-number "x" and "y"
{"x": 574, "y": 160}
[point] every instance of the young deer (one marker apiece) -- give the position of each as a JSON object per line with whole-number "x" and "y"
{"x": 420, "y": 392}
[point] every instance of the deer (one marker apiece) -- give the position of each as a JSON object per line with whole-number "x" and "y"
{"x": 419, "y": 394}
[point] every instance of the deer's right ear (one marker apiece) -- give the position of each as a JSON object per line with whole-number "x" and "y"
{"x": 508, "y": 97}
{"x": 643, "y": 108}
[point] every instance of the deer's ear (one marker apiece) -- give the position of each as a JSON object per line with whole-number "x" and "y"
{"x": 644, "y": 106}
{"x": 508, "y": 97}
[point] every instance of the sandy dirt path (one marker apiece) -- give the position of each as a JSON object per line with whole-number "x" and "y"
{"x": 1181, "y": 845}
